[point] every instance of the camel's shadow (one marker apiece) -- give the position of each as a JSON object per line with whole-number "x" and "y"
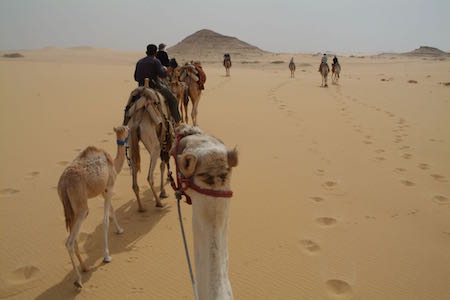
{"x": 136, "y": 226}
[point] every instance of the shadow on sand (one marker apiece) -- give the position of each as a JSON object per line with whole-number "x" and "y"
{"x": 136, "y": 226}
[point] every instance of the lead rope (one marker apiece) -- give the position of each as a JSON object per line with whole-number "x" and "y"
{"x": 178, "y": 195}
{"x": 194, "y": 287}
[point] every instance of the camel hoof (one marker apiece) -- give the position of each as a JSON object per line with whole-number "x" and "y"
{"x": 141, "y": 209}
{"x": 78, "y": 285}
{"x": 119, "y": 231}
{"x": 163, "y": 194}
{"x": 107, "y": 259}
{"x": 159, "y": 204}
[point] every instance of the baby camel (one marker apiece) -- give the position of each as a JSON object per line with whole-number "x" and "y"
{"x": 92, "y": 172}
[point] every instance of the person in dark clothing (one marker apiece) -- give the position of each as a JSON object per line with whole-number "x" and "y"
{"x": 335, "y": 60}
{"x": 162, "y": 55}
{"x": 150, "y": 67}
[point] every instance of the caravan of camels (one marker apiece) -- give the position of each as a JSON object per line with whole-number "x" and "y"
{"x": 203, "y": 169}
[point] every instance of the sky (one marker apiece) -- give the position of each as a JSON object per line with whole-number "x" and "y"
{"x": 277, "y": 26}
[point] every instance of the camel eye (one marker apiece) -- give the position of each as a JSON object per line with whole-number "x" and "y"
{"x": 208, "y": 179}
{"x": 223, "y": 176}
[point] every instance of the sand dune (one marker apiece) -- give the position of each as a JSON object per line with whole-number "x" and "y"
{"x": 341, "y": 192}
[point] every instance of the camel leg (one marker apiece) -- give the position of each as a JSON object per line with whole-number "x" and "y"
{"x": 154, "y": 149}
{"x": 136, "y": 189}
{"x": 186, "y": 104}
{"x": 119, "y": 230}
{"x": 70, "y": 244}
{"x": 84, "y": 268}
{"x": 195, "y": 97}
{"x": 163, "y": 193}
{"x": 150, "y": 179}
{"x": 106, "y": 257}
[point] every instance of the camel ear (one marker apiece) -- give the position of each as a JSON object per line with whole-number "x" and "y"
{"x": 187, "y": 163}
{"x": 232, "y": 157}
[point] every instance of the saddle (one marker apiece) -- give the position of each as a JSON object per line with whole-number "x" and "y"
{"x": 195, "y": 71}
{"x": 148, "y": 100}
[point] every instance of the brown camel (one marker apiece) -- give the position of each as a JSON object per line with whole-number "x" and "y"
{"x": 336, "y": 70}
{"x": 324, "y": 70}
{"x": 190, "y": 75}
{"x": 93, "y": 172}
{"x": 208, "y": 164}
{"x": 151, "y": 132}
{"x": 180, "y": 90}
{"x": 227, "y": 65}
{"x": 292, "y": 67}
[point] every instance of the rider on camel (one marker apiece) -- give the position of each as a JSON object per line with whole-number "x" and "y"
{"x": 324, "y": 61}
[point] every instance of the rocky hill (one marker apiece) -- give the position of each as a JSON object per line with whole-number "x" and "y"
{"x": 209, "y": 44}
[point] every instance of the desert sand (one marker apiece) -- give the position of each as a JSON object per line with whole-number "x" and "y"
{"x": 340, "y": 193}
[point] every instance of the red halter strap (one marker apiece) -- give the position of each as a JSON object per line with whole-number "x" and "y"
{"x": 187, "y": 183}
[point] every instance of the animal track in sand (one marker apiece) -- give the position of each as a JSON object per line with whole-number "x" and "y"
{"x": 404, "y": 147}
{"x": 104, "y": 141}
{"x": 367, "y": 142}
{"x": 423, "y": 166}
{"x": 380, "y": 158}
{"x": 32, "y": 175}
{"x": 320, "y": 172}
{"x": 329, "y": 184}
{"x": 439, "y": 178}
{"x": 326, "y": 221}
{"x": 400, "y": 170}
{"x": 23, "y": 274}
{"x": 8, "y": 192}
{"x": 407, "y": 156}
{"x": 442, "y": 200}
{"x": 317, "y": 199}
{"x": 338, "y": 287}
{"x": 380, "y": 151}
{"x": 62, "y": 163}
{"x": 407, "y": 183}
{"x": 309, "y": 246}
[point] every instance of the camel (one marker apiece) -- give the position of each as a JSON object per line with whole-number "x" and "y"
{"x": 324, "y": 69}
{"x": 206, "y": 162}
{"x": 143, "y": 127}
{"x": 180, "y": 90}
{"x": 194, "y": 85}
{"x": 93, "y": 172}
{"x": 292, "y": 67}
{"x": 227, "y": 65}
{"x": 336, "y": 70}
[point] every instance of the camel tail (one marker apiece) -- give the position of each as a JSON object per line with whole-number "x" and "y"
{"x": 134, "y": 147}
{"x": 68, "y": 210}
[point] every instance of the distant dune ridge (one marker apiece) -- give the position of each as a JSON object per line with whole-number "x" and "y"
{"x": 423, "y": 51}
{"x": 207, "y": 43}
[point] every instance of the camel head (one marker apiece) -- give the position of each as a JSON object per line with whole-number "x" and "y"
{"x": 121, "y": 132}
{"x": 205, "y": 160}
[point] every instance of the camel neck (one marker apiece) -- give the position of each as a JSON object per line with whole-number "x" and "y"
{"x": 120, "y": 158}
{"x": 210, "y": 229}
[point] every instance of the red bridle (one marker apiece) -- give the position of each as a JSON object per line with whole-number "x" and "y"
{"x": 187, "y": 183}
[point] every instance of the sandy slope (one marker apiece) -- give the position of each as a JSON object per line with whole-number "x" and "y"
{"x": 340, "y": 193}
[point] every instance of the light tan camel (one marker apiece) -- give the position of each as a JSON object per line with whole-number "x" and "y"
{"x": 180, "y": 90}
{"x": 93, "y": 172}
{"x": 189, "y": 75}
{"x": 292, "y": 67}
{"x": 143, "y": 128}
{"x": 205, "y": 160}
{"x": 336, "y": 70}
{"x": 227, "y": 65}
{"x": 324, "y": 70}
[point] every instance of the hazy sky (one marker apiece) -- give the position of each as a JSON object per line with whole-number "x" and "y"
{"x": 283, "y": 25}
